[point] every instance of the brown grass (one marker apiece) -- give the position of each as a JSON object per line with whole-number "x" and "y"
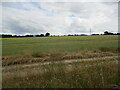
{"x": 87, "y": 74}
{"x": 29, "y": 57}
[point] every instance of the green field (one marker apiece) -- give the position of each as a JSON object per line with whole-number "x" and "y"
{"x": 60, "y": 62}
{"x": 12, "y": 46}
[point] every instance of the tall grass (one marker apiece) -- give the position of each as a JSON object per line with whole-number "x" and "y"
{"x": 86, "y": 74}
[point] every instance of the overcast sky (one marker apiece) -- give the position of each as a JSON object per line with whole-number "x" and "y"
{"x": 59, "y": 18}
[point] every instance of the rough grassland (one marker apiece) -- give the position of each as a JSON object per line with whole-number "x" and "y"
{"x": 99, "y": 73}
{"x": 86, "y": 74}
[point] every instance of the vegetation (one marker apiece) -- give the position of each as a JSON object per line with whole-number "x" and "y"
{"x": 28, "y": 57}
{"x": 48, "y": 34}
{"x": 13, "y": 46}
{"x": 86, "y": 74}
{"x": 82, "y": 62}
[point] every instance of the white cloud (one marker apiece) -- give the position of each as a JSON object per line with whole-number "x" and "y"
{"x": 59, "y": 18}
{"x": 59, "y": 0}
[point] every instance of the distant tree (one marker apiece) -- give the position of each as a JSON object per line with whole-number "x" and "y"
{"x": 95, "y": 34}
{"x": 83, "y": 35}
{"x": 106, "y": 33}
{"x": 28, "y": 36}
{"x": 0, "y": 35}
{"x": 37, "y": 35}
{"x": 6, "y": 36}
{"x": 41, "y": 35}
{"x": 118, "y": 33}
{"x": 47, "y": 34}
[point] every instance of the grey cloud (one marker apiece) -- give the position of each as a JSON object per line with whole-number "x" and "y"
{"x": 98, "y": 16}
{"x": 16, "y": 27}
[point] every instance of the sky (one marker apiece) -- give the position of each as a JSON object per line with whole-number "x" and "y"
{"x": 59, "y": 18}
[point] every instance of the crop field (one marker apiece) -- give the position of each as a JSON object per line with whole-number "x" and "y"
{"x": 60, "y": 62}
{"x": 12, "y": 46}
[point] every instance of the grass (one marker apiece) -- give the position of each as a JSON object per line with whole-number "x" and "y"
{"x": 100, "y": 73}
{"x": 13, "y": 46}
{"x": 85, "y": 74}
{"x": 29, "y": 57}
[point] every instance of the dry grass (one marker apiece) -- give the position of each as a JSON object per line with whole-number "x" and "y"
{"x": 87, "y": 74}
{"x": 29, "y": 57}
{"x": 83, "y": 74}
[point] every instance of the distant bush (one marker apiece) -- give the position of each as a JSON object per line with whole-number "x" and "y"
{"x": 41, "y": 35}
{"x": 104, "y": 49}
{"x": 95, "y": 34}
{"x": 36, "y": 55}
{"x": 108, "y": 49}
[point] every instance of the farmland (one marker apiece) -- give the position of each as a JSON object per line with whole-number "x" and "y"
{"x": 12, "y": 46}
{"x": 60, "y": 62}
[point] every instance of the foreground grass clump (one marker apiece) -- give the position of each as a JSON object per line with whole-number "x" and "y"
{"x": 86, "y": 74}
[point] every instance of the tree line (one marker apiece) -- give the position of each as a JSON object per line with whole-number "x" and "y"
{"x": 9, "y": 35}
{"x": 48, "y": 34}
